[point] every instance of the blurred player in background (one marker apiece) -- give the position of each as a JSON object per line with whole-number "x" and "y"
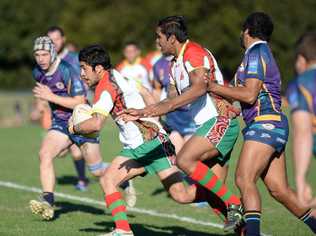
{"x": 258, "y": 88}
{"x": 59, "y": 84}
{"x": 131, "y": 67}
{"x": 58, "y": 37}
{"x": 301, "y": 95}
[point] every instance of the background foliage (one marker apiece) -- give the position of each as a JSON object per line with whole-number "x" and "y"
{"x": 214, "y": 23}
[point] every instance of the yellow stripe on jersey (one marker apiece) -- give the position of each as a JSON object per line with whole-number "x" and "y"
{"x": 271, "y": 98}
{"x": 268, "y": 117}
{"x": 308, "y": 97}
{"x": 264, "y": 66}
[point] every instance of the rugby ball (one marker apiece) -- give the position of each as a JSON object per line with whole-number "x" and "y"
{"x": 83, "y": 112}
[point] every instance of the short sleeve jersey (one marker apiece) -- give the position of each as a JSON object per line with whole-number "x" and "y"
{"x": 113, "y": 94}
{"x": 259, "y": 63}
{"x": 63, "y": 81}
{"x": 191, "y": 57}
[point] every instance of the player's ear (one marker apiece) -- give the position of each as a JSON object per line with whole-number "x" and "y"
{"x": 172, "y": 39}
{"x": 98, "y": 69}
{"x": 301, "y": 64}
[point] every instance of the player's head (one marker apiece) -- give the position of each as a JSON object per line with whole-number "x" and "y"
{"x": 170, "y": 31}
{"x": 131, "y": 51}
{"x": 258, "y": 25}
{"x": 305, "y": 52}
{"x": 44, "y": 52}
{"x": 57, "y": 34}
{"x": 94, "y": 60}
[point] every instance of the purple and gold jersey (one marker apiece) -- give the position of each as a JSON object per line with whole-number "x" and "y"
{"x": 301, "y": 95}
{"x": 63, "y": 81}
{"x": 258, "y": 63}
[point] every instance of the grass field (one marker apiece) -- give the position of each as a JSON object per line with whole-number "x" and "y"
{"x": 19, "y": 165}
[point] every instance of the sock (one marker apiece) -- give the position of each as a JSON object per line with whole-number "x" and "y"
{"x": 252, "y": 220}
{"x": 117, "y": 207}
{"x": 49, "y": 197}
{"x": 80, "y": 168}
{"x": 309, "y": 220}
{"x": 204, "y": 175}
{"x": 218, "y": 206}
{"x": 124, "y": 185}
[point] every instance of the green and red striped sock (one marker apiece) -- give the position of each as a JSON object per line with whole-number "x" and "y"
{"x": 205, "y": 176}
{"x": 117, "y": 207}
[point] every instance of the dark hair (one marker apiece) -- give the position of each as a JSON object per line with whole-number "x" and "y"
{"x": 174, "y": 25}
{"x": 259, "y": 25}
{"x": 95, "y": 55}
{"x": 129, "y": 43}
{"x": 56, "y": 28}
{"x": 306, "y": 46}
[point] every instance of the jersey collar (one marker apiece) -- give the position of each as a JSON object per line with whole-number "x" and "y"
{"x": 63, "y": 53}
{"x": 255, "y": 43}
{"x": 183, "y": 49}
{"x": 53, "y": 67}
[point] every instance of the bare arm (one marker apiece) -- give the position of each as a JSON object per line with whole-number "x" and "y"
{"x": 247, "y": 94}
{"x": 92, "y": 125}
{"x": 43, "y": 92}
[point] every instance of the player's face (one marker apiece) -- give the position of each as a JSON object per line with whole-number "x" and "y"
{"x": 57, "y": 39}
{"x": 87, "y": 74}
{"x": 164, "y": 43}
{"x": 131, "y": 52}
{"x": 42, "y": 58}
{"x": 300, "y": 64}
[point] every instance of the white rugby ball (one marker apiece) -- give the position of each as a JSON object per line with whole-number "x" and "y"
{"x": 80, "y": 113}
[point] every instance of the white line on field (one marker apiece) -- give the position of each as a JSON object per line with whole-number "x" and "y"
{"x": 132, "y": 209}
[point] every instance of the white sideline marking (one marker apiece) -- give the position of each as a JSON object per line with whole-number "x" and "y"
{"x": 95, "y": 202}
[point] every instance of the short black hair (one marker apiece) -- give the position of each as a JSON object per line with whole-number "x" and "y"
{"x": 259, "y": 25}
{"x": 174, "y": 25}
{"x": 129, "y": 43}
{"x": 56, "y": 28}
{"x": 95, "y": 55}
{"x": 306, "y": 46}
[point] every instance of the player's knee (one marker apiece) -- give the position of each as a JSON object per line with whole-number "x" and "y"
{"x": 98, "y": 169}
{"x": 240, "y": 180}
{"x": 279, "y": 193}
{"x": 182, "y": 162}
{"x": 178, "y": 196}
{"x": 45, "y": 156}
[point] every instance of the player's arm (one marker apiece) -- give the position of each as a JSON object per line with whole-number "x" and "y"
{"x": 303, "y": 143}
{"x": 94, "y": 124}
{"x": 197, "y": 89}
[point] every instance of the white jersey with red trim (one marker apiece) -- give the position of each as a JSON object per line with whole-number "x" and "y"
{"x": 191, "y": 57}
{"x": 113, "y": 94}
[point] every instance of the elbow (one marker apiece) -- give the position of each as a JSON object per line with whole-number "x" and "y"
{"x": 251, "y": 99}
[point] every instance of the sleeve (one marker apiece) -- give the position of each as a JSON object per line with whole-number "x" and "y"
{"x": 256, "y": 64}
{"x": 195, "y": 58}
{"x": 298, "y": 101}
{"x": 35, "y": 74}
{"x": 103, "y": 100}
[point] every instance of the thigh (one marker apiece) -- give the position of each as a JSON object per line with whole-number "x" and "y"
{"x": 122, "y": 169}
{"x": 253, "y": 160}
{"x": 275, "y": 175}
{"x": 177, "y": 140}
{"x": 54, "y": 143}
{"x": 75, "y": 152}
{"x": 91, "y": 153}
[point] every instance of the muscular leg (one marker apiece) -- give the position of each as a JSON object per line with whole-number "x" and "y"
{"x": 121, "y": 169}
{"x": 53, "y": 143}
{"x": 275, "y": 179}
{"x": 80, "y": 166}
{"x": 177, "y": 140}
{"x": 253, "y": 160}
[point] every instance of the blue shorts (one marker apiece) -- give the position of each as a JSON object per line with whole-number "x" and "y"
{"x": 178, "y": 121}
{"x": 272, "y": 133}
{"x": 62, "y": 126}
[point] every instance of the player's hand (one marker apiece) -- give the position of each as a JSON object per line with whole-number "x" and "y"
{"x": 304, "y": 193}
{"x": 127, "y": 117}
{"x": 43, "y": 92}
{"x": 211, "y": 85}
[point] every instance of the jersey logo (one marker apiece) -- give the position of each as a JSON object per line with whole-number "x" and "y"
{"x": 253, "y": 65}
{"x": 60, "y": 85}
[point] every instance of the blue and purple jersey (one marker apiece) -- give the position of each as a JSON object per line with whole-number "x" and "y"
{"x": 161, "y": 71}
{"x": 72, "y": 58}
{"x": 64, "y": 81}
{"x": 258, "y": 63}
{"x": 301, "y": 95}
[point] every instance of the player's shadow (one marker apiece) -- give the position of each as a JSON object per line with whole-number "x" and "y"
{"x": 67, "y": 207}
{"x": 67, "y": 180}
{"x": 146, "y": 230}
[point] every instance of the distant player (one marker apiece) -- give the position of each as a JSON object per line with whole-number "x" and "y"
{"x": 212, "y": 143}
{"x": 132, "y": 67}
{"x": 60, "y": 85}
{"x": 146, "y": 147}
{"x": 258, "y": 88}
{"x": 58, "y": 37}
{"x": 301, "y": 96}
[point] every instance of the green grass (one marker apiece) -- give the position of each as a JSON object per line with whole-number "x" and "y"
{"x": 19, "y": 164}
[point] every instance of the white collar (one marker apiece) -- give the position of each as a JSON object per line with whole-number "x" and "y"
{"x": 253, "y": 44}
{"x": 312, "y": 67}
{"x": 63, "y": 53}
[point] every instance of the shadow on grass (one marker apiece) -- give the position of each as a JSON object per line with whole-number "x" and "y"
{"x": 151, "y": 230}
